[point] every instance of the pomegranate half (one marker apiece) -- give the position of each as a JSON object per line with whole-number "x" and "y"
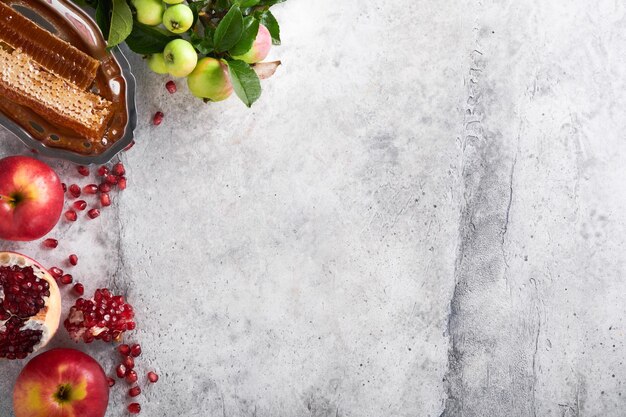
{"x": 30, "y": 306}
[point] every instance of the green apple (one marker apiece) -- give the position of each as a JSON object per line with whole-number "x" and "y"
{"x": 180, "y": 57}
{"x": 149, "y": 12}
{"x": 178, "y": 19}
{"x": 173, "y": 1}
{"x": 210, "y": 80}
{"x": 156, "y": 62}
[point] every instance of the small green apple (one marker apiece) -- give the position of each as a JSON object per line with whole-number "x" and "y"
{"x": 180, "y": 57}
{"x": 149, "y": 12}
{"x": 210, "y": 80}
{"x": 173, "y": 1}
{"x": 156, "y": 62}
{"x": 178, "y": 19}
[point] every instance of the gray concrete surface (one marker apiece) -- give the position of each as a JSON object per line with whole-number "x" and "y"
{"x": 424, "y": 215}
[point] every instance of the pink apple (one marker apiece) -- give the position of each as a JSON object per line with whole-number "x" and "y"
{"x": 260, "y": 48}
{"x": 31, "y": 198}
{"x": 61, "y": 383}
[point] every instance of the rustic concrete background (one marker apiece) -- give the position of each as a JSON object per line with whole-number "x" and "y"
{"x": 424, "y": 215}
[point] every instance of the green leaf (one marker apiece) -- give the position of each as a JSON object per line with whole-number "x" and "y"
{"x": 203, "y": 45}
{"x": 103, "y": 16}
{"x": 270, "y": 2}
{"x": 269, "y": 21}
{"x": 250, "y": 30}
{"x": 195, "y": 7}
{"x": 121, "y": 23}
{"x": 147, "y": 40}
{"x": 245, "y": 82}
{"x": 246, "y": 3}
{"x": 229, "y": 30}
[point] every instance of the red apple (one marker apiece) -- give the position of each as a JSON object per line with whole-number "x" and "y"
{"x": 31, "y": 198}
{"x": 61, "y": 383}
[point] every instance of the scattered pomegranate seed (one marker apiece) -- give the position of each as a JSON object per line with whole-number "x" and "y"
{"x": 112, "y": 179}
{"x": 79, "y": 288}
{"x": 66, "y": 279}
{"x": 104, "y": 187}
{"x": 73, "y": 259}
{"x": 56, "y": 272}
{"x": 134, "y": 408}
{"x": 71, "y": 216}
{"x": 171, "y": 86}
{"x": 51, "y": 243}
{"x": 93, "y": 213}
{"x": 134, "y": 391}
{"x": 135, "y": 350}
{"x": 105, "y": 200}
{"x": 111, "y": 381}
{"x": 129, "y": 362}
{"x": 131, "y": 376}
{"x": 118, "y": 169}
{"x": 90, "y": 189}
{"x": 64, "y": 187}
{"x": 121, "y": 184}
{"x": 152, "y": 377}
{"x": 124, "y": 349}
{"x": 158, "y": 118}
{"x": 80, "y": 205}
{"x": 120, "y": 371}
{"x": 130, "y": 145}
{"x": 74, "y": 190}
{"x": 83, "y": 170}
{"x": 102, "y": 171}
{"x": 131, "y": 325}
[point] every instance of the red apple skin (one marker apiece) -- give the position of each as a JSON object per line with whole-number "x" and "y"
{"x": 35, "y": 198}
{"x": 36, "y": 390}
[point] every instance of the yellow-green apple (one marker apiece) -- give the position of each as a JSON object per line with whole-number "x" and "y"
{"x": 180, "y": 57}
{"x": 149, "y": 12}
{"x": 210, "y": 80}
{"x": 31, "y": 198}
{"x": 156, "y": 62}
{"x": 61, "y": 383}
{"x": 178, "y": 18}
{"x": 260, "y": 47}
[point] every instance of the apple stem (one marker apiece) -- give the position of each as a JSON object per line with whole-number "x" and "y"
{"x": 6, "y": 198}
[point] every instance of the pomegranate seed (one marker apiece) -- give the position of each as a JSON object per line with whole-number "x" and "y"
{"x": 111, "y": 381}
{"x": 102, "y": 171}
{"x": 122, "y": 183}
{"x": 104, "y": 187}
{"x": 152, "y": 377}
{"x": 131, "y": 376}
{"x": 51, "y": 243}
{"x": 120, "y": 371}
{"x": 112, "y": 179}
{"x": 93, "y": 213}
{"x": 74, "y": 190}
{"x": 171, "y": 86}
{"x": 66, "y": 279}
{"x": 80, "y": 205}
{"x": 129, "y": 362}
{"x": 131, "y": 325}
{"x": 73, "y": 259}
{"x": 118, "y": 169}
{"x": 56, "y": 272}
{"x": 90, "y": 189}
{"x": 135, "y": 350}
{"x": 134, "y": 391}
{"x": 83, "y": 170}
{"x": 124, "y": 349}
{"x": 130, "y": 145}
{"x": 158, "y": 118}
{"x": 64, "y": 187}
{"x": 134, "y": 408}
{"x": 71, "y": 216}
{"x": 105, "y": 200}
{"x": 79, "y": 288}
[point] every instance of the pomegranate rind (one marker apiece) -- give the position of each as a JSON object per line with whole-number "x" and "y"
{"x": 49, "y": 317}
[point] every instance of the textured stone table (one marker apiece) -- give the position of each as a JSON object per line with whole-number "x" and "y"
{"x": 424, "y": 215}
